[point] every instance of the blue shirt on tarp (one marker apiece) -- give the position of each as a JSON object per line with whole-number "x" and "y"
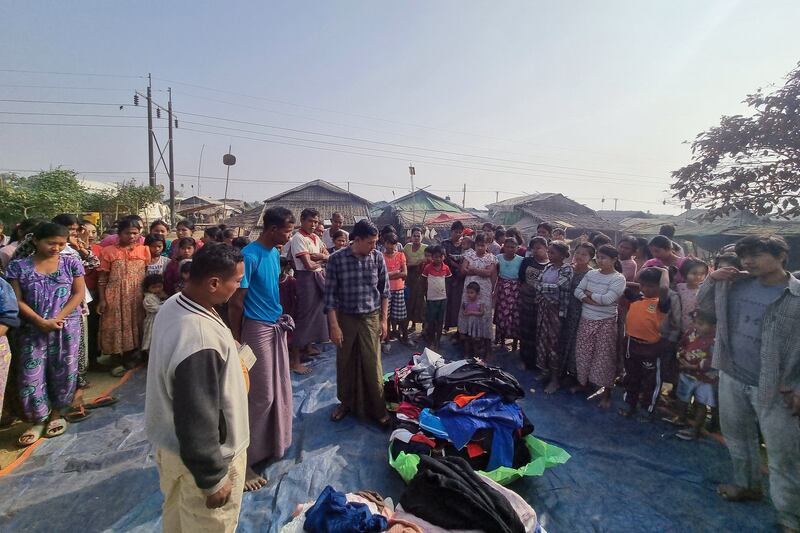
{"x": 262, "y": 270}
{"x": 487, "y": 412}
{"x": 332, "y": 513}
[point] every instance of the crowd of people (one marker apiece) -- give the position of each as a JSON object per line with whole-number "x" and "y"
{"x": 224, "y": 321}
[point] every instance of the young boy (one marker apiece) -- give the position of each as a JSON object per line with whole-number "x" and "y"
{"x": 397, "y": 272}
{"x": 696, "y": 378}
{"x": 172, "y": 273}
{"x": 644, "y": 341}
{"x": 435, "y": 272}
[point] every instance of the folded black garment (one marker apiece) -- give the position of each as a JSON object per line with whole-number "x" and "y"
{"x": 448, "y": 493}
{"x": 473, "y": 378}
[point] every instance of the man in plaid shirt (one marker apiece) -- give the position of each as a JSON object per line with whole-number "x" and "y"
{"x": 356, "y": 300}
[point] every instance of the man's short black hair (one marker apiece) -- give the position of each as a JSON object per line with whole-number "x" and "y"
{"x": 668, "y": 231}
{"x": 277, "y": 217}
{"x": 499, "y": 233}
{"x": 215, "y": 260}
{"x": 487, "y": 226}
{"x": 773, "y": 245}
{"x": 364, "y": 229}
{"x": 308, "y": 212}
{"x": 457, "y": 225}
{"x": 65, "y": 219}
{"x": 545, "y": 225}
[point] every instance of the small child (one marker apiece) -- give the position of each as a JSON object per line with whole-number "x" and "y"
{"x": 339, "y": 239}
{"x": 474, "y": 311}
{"x": 185, "y": 248}
{"x": 435, "y": 273}
{"x": 694, "y": 271}
{"x": 185, "y": 269}
{"x": 697, "y": 379}
{"x": 154, "y": 296}
{"x": 158, "y": 263}
{"x": 397, "y": 272}
{"x": 287, "y": 288}
{"x": 644, "y": 341}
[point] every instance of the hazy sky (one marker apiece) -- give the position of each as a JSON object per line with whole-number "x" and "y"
{"x": 590, "y": 99}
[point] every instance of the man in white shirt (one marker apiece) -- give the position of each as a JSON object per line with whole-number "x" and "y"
{"x": 337, "y": 220}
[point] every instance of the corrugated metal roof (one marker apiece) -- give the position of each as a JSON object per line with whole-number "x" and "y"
{"x": 520, "y": 200}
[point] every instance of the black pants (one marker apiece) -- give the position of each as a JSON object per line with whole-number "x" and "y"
{"x": 642, "y": 380}
{"x": 93, "y": 327}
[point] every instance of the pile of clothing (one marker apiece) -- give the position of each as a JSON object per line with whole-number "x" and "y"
{"x": 464, "y": 409}
{"x": 445, "y": 496}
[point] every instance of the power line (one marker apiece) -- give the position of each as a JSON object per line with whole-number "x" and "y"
{"x": 65, "y": 115}
{"x": 71, "y": 125}
{"x": 20, "y": 71}
{"x": 61, "y": 102}
{"x": 396, "y": 158}
{"x": 16, "y": 86}
{"x": 356, "y": 139}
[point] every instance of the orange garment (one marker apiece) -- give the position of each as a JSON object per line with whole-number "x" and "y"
{"x": 643, "y": 321}
{"x": 394, "y": 263}
{"x": 121, "y": 323}
{"x": 463, "y": 399}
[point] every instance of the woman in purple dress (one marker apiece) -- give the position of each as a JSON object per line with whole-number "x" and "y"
{"x": 49, "y": 287}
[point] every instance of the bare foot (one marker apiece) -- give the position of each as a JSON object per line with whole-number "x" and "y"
{"x": 300, "y": 368}
{"x": 552, "y": 386}
{"x": 253, "y": 482}
{"x": 312, "y": 350}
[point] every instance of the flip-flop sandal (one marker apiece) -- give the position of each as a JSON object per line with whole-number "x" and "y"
{"x": 36, "y": 431}
{"x": 118, "y": 371}
{"x": 78, "y": 414}
{"x": 55, "y": 428}
{"x": 102, "y": 401}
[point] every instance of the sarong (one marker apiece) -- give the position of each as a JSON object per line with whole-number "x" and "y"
{"x": 5, "y": 364}
{"x": 455, "y": 290}
{"x": 506, "y": 314}
{"x": 548, "y": 332}
{"x": 359, "y": 373}
{"x": 415, "y": 306}
{"x": 311, "y": 324}
{"x": 596, "y": 351}
{"x": 527, "y": 326}
{"x": 270, "y": 398}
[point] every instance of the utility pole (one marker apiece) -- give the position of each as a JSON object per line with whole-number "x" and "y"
{"x": 171, "y": 163}
{"x": 615, "y": 203}
{"x": 228, "y": 160}
{"x": 412, "y": 172}
{"x": 200, "y": 166}
{"x": 496, "y": 196}
{"x": 464, "y": 197}
{"x": 151, "y": 161}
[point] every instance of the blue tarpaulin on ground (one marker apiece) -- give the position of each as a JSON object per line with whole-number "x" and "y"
{"x": 623, "y": 475}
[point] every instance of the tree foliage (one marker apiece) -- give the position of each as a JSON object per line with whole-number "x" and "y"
{"x": 42, "y": 195}
{"x": 51, "y": 192}
{"x": 749, "y": 163}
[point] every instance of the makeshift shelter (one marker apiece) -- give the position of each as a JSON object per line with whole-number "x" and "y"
{"x": 319, "y": 194}
{"x": 425, "y": 209}
{"x": 708, "y": 237}
{"x": 527, "y": 212}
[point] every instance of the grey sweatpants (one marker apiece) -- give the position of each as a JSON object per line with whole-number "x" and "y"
{"x": 740, "y": 418}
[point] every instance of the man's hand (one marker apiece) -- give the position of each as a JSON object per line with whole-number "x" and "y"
{"x": 384, "y": 329}
{"x": 101, "y": 307}
{"x": 727, "y": 274}
{"x": 337, "y": 337}
{"x": 792, "y": 399}
{"x": 221, "y": 497}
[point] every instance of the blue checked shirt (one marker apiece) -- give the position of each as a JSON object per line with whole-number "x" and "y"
{"x": 355, "y": 285}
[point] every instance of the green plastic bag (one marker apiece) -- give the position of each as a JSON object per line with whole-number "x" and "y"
{"x": 543, "y": 455}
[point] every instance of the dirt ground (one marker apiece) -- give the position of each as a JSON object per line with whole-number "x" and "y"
{"x": 10, "y": 451}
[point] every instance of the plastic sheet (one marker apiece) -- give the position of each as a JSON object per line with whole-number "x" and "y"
{"x": 623, "y": 475}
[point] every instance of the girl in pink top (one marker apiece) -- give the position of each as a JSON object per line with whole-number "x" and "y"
{"x": 397, "y": 270}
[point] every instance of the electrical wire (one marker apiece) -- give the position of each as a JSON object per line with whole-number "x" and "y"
{"x": 20, "y": 71}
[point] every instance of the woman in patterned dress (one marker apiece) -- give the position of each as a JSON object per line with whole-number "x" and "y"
{"x": 481, "y": 267}
{"x": 123, "y": 267}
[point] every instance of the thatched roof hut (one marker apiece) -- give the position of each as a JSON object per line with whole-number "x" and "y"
{"x": 319, "y": 194}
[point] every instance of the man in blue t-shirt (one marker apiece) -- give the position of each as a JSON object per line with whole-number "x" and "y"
{"x": 757, "y": 352}
{"x": 255, "y": 318}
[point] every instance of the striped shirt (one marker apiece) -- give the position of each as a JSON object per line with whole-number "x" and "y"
{"x": 355, "y": 285}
